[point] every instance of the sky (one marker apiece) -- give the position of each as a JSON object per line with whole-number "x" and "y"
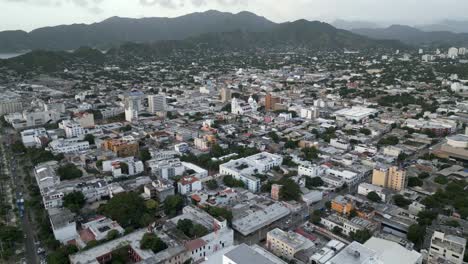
{"x": 31, "y": 14}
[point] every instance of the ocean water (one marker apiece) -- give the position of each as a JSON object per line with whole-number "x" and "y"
{"x": 9, "y": 55}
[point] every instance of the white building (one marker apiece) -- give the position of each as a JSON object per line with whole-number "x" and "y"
{"x": 243, "y": 169}
{"x": 8, "y": 106}
{"x": 286, "y": 244}
{"x": 71, "y": 145}
{"x": 63, "y": 224}
{"x": 446, "y": 248}
{"x": 309, "y": 113}
{"x": 33, "y": 137}
{"x": 85, "y": 119}
{"x": 72, "y": 129}
{"x": 166, "y": 169}
{"x": 200, "y": 172}
{"x": 250, "y": 254}
{"x": 134, "y": 166}
{"x": 339, "y": 144}
{"x": 376, "y": 251}
{"x": 452, "y": 53}
{"x": 239, "y": 107}
{"x": 356, "y": 113}
{"x": 133, "y": 105}
{"x": 366, "y": 188}
{"x": 157, "y": 103}
{"x": 189, "y": 184}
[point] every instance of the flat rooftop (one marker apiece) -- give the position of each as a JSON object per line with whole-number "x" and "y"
{"x": 260, "y": 218}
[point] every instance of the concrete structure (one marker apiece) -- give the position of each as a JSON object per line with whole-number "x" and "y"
{"x": 189, "y": 184}
{"x": 157, "y": 103}
{"x": 63, "y": 224}
{"x": 243, "y": 169}
{"x": 113, "y": 166}
{"x": 286, "y": 244}
{"x": 122, "y": 148}
{"x": 85, "y": 119}
{"x": 72, "y": 129}
{"x": 258, "y": 219}
{"x": 271, "y": 101}
{"x": 34, "y": 137}
{"x": 244, "y": 254}
{"x": 446, "y": 248}
{"x": 366, "y": 188}
{"x": 376, "y": 251}
{"x": 356, "y": 113}
{"x": 238, "y": 107}
{"x": 166, "y": 169}
{"x": 456, "y": 147}
{"x": 70, "y": 145}
{"x": 393, "y": 178}
{"x": 8, "y": 106}
{"x": 133, "y": 105}
{"x": 159, "y": 189}
{"x": 97, "y": 230}
{"x": 226, "y": 95}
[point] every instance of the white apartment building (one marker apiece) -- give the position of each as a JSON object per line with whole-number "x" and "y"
{"x": 243, "y": 169}
{"x": 134, "y": 166}
{"x": 446, "y": 248}
{"x": 286, "y": 244}
{"x": 8, "y": 106}
{"x": 32, "y": 137}
{"x": 71, "y": 145}
{"x": 339, "y": 144}
{"x": 72, "y": 129}
{"x": 157, "y": 103}
{"x": 166, "y": 169}
{"x": 189, "y": 184}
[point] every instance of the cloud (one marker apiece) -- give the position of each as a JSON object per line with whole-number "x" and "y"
{"x": 92, "y": 6}
{"x": 172, "y": 4}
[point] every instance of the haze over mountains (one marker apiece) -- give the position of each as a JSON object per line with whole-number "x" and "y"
{"x": 243, "y": 29}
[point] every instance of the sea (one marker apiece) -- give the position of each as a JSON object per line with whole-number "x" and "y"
{"x": 10, "y": 55}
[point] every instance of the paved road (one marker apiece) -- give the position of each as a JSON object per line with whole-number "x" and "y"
{"x": 18, "y": 183}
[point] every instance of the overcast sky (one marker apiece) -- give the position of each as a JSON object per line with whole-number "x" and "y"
{"x": 30, "y": 14}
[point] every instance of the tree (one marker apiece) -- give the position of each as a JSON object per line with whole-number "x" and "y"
{"x": 424, "y": 175}
{"x": 173, "y": 204}
{"x": 18, "y": 147}
{"x": 365, "y": 131}
{"x": 314, "y": 182}
{"x": 401, "y": 201}
{"x": 153, "y": 242}
{"x": 124, "y": 168}
{"x": 316, "y": 217}
{"x": 151, "y": 204}
{"x": 74, "y": 201}
{"x": 374, "y": 197}
{"x": 229, "y": 181}
{"x": 90, "y": 138}
{"x": 414, "y": 181}
{"x": 69, "y": 172}
{"x": 274, "y": 136}
{"x": 60, "y": 256}
{"x": 113, "y": 234}
{"x": 416, "y": 233}
{"x": 441, "y": 180}
{"x": 212, "y": 184}
{"x": 361, "y": 236}
{"x": 390, "y": 140}
{"x": 145, "y": 155}
{"x": 337, "y": 230}
{"x": 219, "y": 212}
{"x": 290, "y": 144}
{"x": 125, "y": 208}
{"x": 310, "y": 153}
{"x": 190, "y": 229}
{"x": 290, "y": 190}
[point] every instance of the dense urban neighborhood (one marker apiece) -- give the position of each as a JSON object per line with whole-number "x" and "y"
{"x": 268, "y": 156}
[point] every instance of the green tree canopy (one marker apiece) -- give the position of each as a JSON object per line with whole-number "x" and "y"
{"x": 74, "y": 201}
{"x": 69, "y": 172}
{"x": 125, "y": 208}
{"x": 373, "y": 196}
{"x": 153, "y": 242}
{"x": 173, "y": 204}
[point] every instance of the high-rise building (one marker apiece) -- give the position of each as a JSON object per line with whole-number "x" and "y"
{"x": 226, "y": 95}
{"x": 157, "y": 103}
{"x": 8, "y": 106}
{"x": 453, "y": 53}
{"x": 133, "y": 105}
{"x": 270, "y": 102}
{"x": 393, "y": 178}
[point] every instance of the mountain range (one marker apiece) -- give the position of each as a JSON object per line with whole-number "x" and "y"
{"x": 241, "y": 29}
{"x": 414, "y": 36}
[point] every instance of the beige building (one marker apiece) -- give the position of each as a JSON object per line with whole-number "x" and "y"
{"x": 226, "y": 95}
{"x": 392, "y": 178}
{"x": 446, "y": 249}
{"x": 10, "y": 106}
{"x": 286, "y": 244}
{"x": 85, "y": 119}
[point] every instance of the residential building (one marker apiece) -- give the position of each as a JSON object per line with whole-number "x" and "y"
{"x": 166, "y": 169}
{"x": 244, "y": 169}
{"x": 8, "y": 106}
{"x": 69, "y": 145}
{"x": 286, "y": 244}
{"x": 85, "y": 119}
{"x": 226, "y": 95}
{"x": 114, "y": 166}
{"x": 271, "y": 101}
{"x": 122, "y": 148}
{"x": 189, "y": 184}
{"x": 446, "y": 248}
{"x": 157, "y": 103}
{"x": 62, "y": 222}
{"x": 243, "y": 254}
{"x": 366, "y": 188}
{"x": 342, "y": 205}
{"x": 393, "y": 178}
{"x": 72, "y": 129}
